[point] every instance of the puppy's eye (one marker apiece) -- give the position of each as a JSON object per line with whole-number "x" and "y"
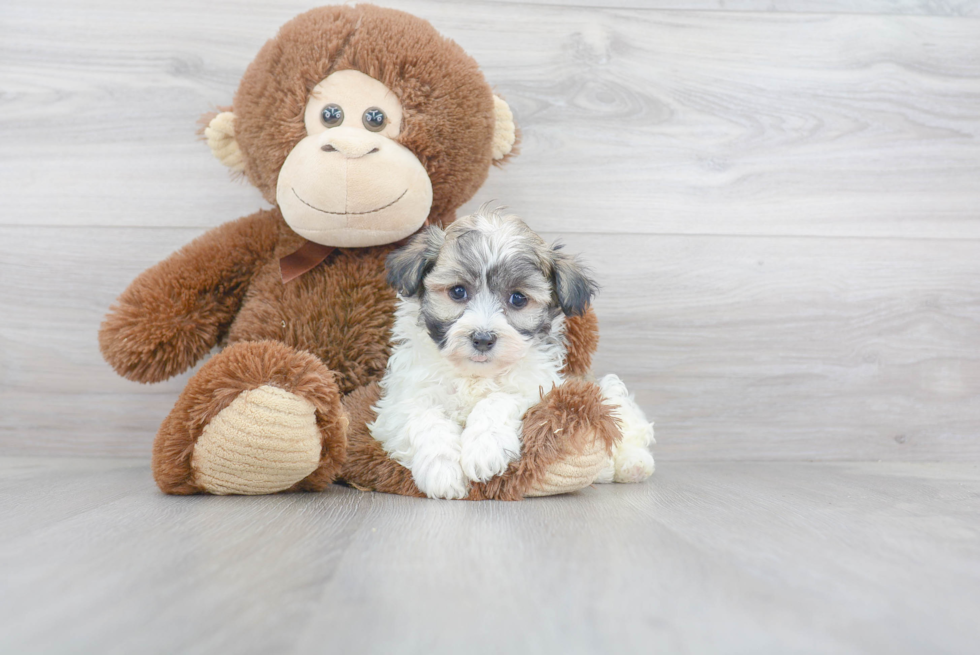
{"x": 374, "y": 119}
{"x": 332, "y": 115}
{"x": 458, "y": 292}
{"x": 518, "y": 300}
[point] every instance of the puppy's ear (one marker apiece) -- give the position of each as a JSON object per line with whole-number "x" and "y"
{"x": 574, "y": 287}
{"x": 408, "y": 266}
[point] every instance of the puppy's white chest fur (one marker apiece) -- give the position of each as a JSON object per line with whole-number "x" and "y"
{"x": 449, "y": 429}
{"x": 464, "y": 393}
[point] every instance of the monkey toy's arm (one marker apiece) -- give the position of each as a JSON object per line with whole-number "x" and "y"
{"x": 175, "y": 312}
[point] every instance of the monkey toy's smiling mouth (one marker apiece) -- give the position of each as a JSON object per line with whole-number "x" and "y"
{"x": 348, "y": 213}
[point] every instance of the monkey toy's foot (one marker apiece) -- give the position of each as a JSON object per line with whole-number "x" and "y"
{"x": 265, "y": 441}
{"x": 258, "y": 418}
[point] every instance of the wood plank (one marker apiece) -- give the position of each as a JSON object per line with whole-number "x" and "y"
{"x": 795, "y": 348}
{"x": 713, "y": 559}
{"x": 41, "y": 492}
{"x": 759, "y": 348}
{"x": 635, "y": 121}
{"x": 83, "y": 424}
{"x": 704, "y": 558}
{"x": 883, "y": 7}
{"x": 184, "y": 566}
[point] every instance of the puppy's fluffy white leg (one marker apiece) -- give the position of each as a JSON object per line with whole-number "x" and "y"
{"x": 632, "y": 460}
{"x": 491, "y": 439}
{"x": 435, "y": 460}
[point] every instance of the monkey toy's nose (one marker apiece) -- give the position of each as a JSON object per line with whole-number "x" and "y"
{"x": 483, "y": 341}
{"x": 352, "y": 143}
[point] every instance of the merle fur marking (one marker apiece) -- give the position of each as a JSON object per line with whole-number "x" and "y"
{"x": 574, "y": 287}
{"x": 408, "y": 266}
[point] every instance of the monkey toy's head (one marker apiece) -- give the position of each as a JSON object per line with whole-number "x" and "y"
{"x": 362, "y": 124}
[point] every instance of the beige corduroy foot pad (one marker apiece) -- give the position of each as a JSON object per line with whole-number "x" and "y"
{"x": 265, "y": 441}
{"x": 573, "y": 473}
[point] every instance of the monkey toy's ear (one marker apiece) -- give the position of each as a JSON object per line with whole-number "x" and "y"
{"x": 220, "y": 133}
{"x": 504, "y": 130}
{"x": 408, "y": 266}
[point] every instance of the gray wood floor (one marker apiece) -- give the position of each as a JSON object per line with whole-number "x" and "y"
{"x": 707, "y": 557}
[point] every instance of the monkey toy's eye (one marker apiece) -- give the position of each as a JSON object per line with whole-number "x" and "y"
{"x": 518, "y": 300}
{"x": 375, "y": 119}
{"x": 458, "y": 293}
{"x": 332, "y": 115}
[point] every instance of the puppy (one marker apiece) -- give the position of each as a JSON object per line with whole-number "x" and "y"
{"x": 479, "y": 333}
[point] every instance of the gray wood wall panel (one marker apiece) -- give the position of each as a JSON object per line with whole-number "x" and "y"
{"x": 683, "y": 122}
{"x": 877, "y": 7}
{"x": 783, "y": 207}
{"x": 762, "y": 347}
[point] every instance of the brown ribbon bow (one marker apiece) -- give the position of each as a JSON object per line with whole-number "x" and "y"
{"x": 307, "y": 257}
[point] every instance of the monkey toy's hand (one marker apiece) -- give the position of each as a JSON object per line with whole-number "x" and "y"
{"x": 174, "y": 313}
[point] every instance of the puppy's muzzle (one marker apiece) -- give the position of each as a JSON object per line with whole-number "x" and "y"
{"x": 483, "y": 341}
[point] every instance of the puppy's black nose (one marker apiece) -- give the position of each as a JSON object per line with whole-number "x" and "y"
{"x": 483, "y": 341}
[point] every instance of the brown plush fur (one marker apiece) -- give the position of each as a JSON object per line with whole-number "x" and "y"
{"x": 342, "y": 311}
{"x": 582, "y": 333}
{"x": 324, "y": 336}
{"x": 173, "y": 314}
{"x": 239, "y": 368}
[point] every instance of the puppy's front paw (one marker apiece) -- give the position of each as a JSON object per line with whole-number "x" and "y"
{"x": 440, "y": 477}
{"x": 486, "y": 452}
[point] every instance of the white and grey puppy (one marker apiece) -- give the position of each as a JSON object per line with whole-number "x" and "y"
{"x": 479, "y": 332}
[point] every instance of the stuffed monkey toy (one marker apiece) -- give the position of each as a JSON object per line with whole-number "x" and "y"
{"x": 359, "y": 125}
